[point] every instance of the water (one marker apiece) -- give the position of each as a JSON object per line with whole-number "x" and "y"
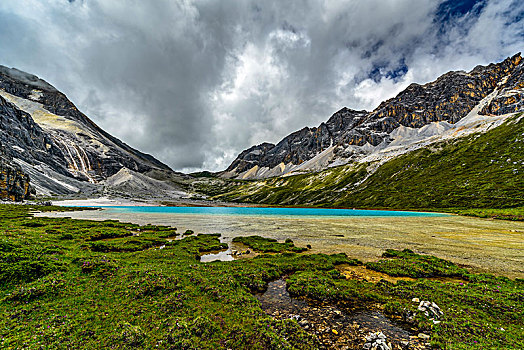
{"x": 493, "y": 246}
{"x": 265, "y": 211}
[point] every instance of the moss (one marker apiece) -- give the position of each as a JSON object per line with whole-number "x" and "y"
{"x": 268, "y": 245}
{"x": 407, "y": 263}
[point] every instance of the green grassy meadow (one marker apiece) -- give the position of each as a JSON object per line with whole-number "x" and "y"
{"x": 76, "y": 284}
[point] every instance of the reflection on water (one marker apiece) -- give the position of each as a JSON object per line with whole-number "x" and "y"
{"x": 224, "y": 255}
{"x": 234, "y": 251}
{"x": 489, "y": 245}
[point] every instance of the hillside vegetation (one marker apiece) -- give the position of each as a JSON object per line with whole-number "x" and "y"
{"x": 478, "y": 171}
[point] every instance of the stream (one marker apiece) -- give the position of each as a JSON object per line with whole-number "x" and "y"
{"x": 336, "y": 328}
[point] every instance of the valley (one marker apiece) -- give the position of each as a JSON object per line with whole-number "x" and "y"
{"x": 183, "y": 261}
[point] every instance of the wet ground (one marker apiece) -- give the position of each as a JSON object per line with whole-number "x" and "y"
{"x": 484, "y": 245}
{"x": 336, "y": 327}
{"x": 362, "y": 273}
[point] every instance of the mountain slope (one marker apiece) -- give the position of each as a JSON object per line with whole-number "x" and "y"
{"x": 294, "y": 149}
{"x": 438, "y": 105}
{"x": 482, "y": 169}
{"x": 63, "y": 151}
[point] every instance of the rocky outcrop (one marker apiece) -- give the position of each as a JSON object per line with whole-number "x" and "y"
{"x": 14, "y": 183}
{"x": 510, "y": 94}
{"x": 351, "y": 133}
{"x": 23, "y": 139}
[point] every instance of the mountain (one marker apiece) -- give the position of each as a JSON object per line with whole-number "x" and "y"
{"x": 396, "y": 126}
{"x": 44, "y": 136}
{"x": 482, "y": 168}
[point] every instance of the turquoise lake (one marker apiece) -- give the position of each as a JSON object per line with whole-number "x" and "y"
{"x": 488, "y": 245}
{"x": 263, "y": 211}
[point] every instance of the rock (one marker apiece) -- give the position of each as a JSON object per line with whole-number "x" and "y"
{"x": 430, "y": 309}
{"x": 377, "y": 341}
{"x": 14, "y": 183}
{"x": 423, "y": 336}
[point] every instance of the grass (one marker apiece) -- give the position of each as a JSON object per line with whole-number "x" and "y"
{"x": 269, "y": 245}
{"x": 514, "y": 214}
{"x": 407, "y": 263}
{"x": 60, "y": 293}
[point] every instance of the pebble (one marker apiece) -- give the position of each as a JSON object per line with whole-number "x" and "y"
{"x": 423, "y": 336}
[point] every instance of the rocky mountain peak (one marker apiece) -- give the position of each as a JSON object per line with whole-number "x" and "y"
{"x": 48, "y": 137}
{"x": 349, "y": 133}
{"x": 25, "y": 78}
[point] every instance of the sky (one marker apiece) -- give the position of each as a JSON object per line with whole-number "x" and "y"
{"x": 196, "y": 82}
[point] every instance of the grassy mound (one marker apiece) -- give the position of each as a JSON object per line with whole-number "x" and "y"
{"x": 407, "y": 263}
{"x": 268, "y": 245}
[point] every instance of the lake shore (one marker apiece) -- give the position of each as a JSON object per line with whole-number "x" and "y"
{"x": 484, "y": 245}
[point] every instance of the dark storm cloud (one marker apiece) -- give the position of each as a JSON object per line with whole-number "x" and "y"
{"x": 195, "y": 82}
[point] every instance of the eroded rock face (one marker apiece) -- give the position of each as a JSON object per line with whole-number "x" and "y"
{"x": 22, "y": 138}
{"x": 448, "y": 99}
{"x": 510, "y": 95}
{"x": 46, "y": 134}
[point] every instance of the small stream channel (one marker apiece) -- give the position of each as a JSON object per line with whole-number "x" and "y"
{"x": 336, "y": 327}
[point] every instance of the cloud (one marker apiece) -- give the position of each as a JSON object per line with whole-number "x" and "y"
{"x": 196, "y": 82}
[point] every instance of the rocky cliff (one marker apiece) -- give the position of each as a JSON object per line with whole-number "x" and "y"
{"x": 351, "y": 135}
{"x": 62, "y": 150}
{"x": 300, "y": 146}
